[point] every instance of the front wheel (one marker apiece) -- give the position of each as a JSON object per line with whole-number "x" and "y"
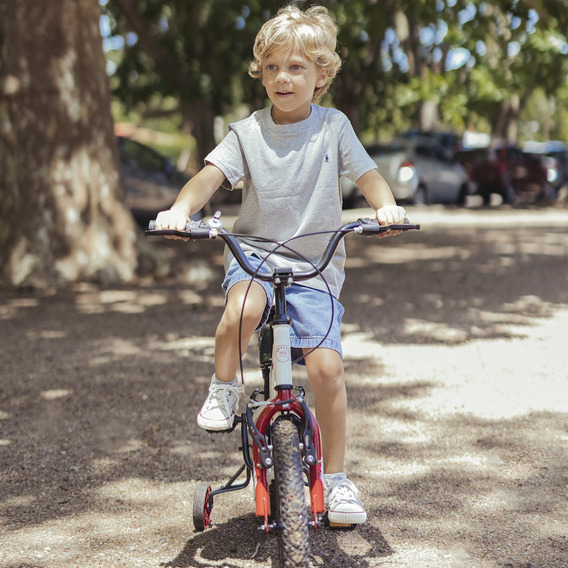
{"x": 291, "y": 512}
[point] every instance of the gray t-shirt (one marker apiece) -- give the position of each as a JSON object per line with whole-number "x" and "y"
{"x": 291, "y": 184}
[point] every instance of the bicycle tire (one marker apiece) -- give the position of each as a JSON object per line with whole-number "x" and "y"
{"x": 291, "y": 511}
{"x": 201, "y": 511}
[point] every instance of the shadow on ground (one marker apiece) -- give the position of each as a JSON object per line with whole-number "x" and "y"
{"x": 242, "y": 535}
{"x": 100, "y": 386}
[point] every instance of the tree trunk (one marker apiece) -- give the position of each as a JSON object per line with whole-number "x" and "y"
{"x": 428, "y": 115}
{"x": 347, "y": 101}
{"x": 508, "y": 120}
{"x": 62, "y": 206}
{"x": 198, "y": 119}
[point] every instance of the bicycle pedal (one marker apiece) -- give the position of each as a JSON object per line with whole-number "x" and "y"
{"x": 227, "y": 431}
{"x": 337, "y": 526}
{"x": 342, "y": 526}
{"x": 221, "y": 431}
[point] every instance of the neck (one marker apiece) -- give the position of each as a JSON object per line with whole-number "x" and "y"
{"x": 289, "y": 117}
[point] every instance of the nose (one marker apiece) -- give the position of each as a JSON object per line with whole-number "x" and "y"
{"x": 282, "y": 77}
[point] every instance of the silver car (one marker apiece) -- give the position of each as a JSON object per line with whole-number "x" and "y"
{"x": 419, "y": 170}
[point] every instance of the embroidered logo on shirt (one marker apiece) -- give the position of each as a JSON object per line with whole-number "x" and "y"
{"x": 326, "y": 158}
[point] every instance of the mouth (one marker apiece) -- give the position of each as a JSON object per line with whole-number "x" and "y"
{"x": 284, "y": 93}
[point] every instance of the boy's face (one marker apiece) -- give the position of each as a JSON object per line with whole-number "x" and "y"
{"x": 290, "y": 79}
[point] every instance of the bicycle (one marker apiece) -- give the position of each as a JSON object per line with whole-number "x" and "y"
{"x": 277, "y": 424}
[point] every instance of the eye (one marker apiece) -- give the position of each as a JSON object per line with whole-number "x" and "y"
{"x": 270, "y": 67}
{"x": 296, "y": 67}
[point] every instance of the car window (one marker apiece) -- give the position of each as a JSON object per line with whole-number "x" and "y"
{"x": 379, "y": 149}
{"x": 424, "y": 151}
{"x": 139, "y": 159}
{"x": 440, "y": 153}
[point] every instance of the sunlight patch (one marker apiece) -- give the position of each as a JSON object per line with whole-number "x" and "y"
{"x": 54, "y": 394}
{"x": 434, "y": 330}
{"x": 357, "y": 545}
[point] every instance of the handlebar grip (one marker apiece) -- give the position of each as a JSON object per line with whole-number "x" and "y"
{"x": 193, "y": 230}
{"x": 372, "y": 227}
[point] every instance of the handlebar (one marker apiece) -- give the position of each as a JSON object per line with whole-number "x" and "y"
{"x": 214, "y": 228}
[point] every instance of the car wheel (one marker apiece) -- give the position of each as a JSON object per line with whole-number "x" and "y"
{"x": 420, "y": 196}
{"x": 509, "y": 194}
{"x": 463, "y": 193}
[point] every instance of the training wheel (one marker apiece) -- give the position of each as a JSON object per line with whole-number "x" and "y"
{"x": 201, "y": 508}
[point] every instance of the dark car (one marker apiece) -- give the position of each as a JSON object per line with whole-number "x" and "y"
{"x": 491, "y": 170}
{"x": 557, "y": 171}
{"x": 449, "y": 140}
{"x": 508, "y": 171}
{"x": 151, "y": 180}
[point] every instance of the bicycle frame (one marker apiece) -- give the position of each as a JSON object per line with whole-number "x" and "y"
{"x": 280, "y": 399}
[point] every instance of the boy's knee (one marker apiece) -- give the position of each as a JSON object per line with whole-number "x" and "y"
{"x": 244, "y": 304}
{"x": 326, "y": 367}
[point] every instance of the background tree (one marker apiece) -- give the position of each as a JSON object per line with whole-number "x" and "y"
{"x": 407, "y": 63}
{"x": 361, "y": 90}
{"x": 517, "y": 47}
{"x": 197, "y": 52}
{"x": 62, "y": 211}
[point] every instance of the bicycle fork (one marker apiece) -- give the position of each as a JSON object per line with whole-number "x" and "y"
{"x": 275, "y": 356}
{"x": 287, "y": 404}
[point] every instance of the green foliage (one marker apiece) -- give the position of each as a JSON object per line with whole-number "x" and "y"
{"x": 189, "y": 50}
{"x": 468, "y": 56}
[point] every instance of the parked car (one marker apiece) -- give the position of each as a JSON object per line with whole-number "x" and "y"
{"x": 491, "y": 170}
{"x": 508, "y": 171}
{"x": 151, "y": 180}
{"x": 418, "y": 169}
{"x": 449, "y": 140}
{"x": 557, "y": 172}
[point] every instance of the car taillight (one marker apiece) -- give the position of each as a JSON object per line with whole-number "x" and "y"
{"x": 551, "y": 175}
{"x": 406, "y": 171}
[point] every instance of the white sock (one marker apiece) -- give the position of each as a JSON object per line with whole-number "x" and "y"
{"x": 335, "y": 476}
{"x": 233, "y": 383}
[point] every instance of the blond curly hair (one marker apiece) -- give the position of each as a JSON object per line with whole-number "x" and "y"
{"x": 313, "y": 32}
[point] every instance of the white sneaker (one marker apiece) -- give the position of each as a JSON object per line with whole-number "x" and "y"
{"x": 220, "y": 407}
{"x": 343, "y": 503}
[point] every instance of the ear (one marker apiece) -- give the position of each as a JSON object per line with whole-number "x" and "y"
{"x": 322, "y": 78}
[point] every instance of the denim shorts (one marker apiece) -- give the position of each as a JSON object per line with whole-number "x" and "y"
{"x": 315, "y": 323}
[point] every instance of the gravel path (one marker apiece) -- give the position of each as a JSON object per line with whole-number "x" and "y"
{"x": 458, "y": 387}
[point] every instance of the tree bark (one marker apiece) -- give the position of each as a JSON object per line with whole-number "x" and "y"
{"x": 62, "y": 206}
{"x": 508, "y": 119}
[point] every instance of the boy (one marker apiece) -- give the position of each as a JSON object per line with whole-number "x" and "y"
{"x": 290, "y": 157}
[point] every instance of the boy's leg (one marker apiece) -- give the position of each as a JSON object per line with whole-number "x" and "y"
{"x": 227, "y": 334}
{"x": 325, "y": 373}
{"x": 327, "y": 379}
{"x": 219, "y": 409}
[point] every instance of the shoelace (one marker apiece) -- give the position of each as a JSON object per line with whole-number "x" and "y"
{"x": 344, "y": 490}
{"x": 221, "y": 396}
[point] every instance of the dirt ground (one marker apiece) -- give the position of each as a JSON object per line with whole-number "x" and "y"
{"x": 456, "y": 358}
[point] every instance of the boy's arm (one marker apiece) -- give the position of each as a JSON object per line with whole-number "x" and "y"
{"x": 192, "y": 197}
{"x": 379, "y": 196}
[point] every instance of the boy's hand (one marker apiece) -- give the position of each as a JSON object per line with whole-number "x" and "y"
{"x": 172, "y": 219}
{"x": 390, "y": 215}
